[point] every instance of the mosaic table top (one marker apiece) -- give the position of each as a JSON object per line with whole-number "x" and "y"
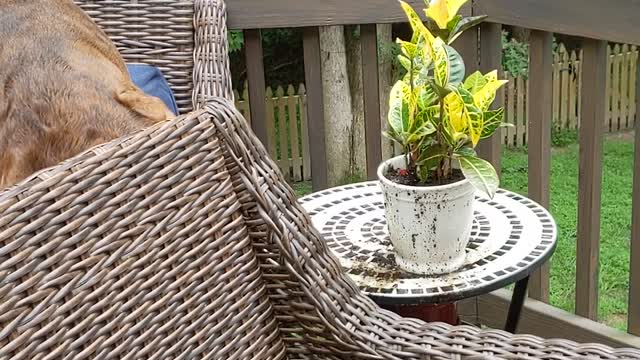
{"x": 512, "y": 236}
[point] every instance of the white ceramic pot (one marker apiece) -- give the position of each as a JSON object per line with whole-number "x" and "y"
{"x": 429, "y": 226}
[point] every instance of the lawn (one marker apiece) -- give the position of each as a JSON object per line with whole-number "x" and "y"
{"x": 615, "y": 224}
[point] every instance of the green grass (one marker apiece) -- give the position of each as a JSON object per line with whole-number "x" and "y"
{"x": 615, "y": 224}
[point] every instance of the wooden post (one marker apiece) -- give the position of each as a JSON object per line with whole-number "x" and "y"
{"x": 634, "y": 270}
{"x": 255, "y": 76}
{"x": 371, "y": 93}
{"x": 315, "y": 107}
{"x": 539, "y": 119}
{"x": 590, "y": 178}
{"x": 467, "y": 46}
{"x": 491, "y": 59}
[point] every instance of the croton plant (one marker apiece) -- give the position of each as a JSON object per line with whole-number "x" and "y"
{"x": 436, "y": 115}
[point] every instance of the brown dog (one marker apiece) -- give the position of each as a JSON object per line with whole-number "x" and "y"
{"x": 63, "y": 87}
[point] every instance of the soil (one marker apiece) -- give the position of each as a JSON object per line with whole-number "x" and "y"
{"x": 403, "y": 177}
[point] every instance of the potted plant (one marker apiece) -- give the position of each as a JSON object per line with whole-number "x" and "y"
{"x": 438, "y": 117}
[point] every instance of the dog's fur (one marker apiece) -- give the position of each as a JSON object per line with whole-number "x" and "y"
{"x": 63, "y": 87}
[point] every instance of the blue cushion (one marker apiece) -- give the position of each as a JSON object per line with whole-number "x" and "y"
{"x": 150, "y": 80}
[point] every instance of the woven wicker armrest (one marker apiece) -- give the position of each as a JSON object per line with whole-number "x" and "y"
{"x": 323, "y": 312}
{"x": 136, "y": 249}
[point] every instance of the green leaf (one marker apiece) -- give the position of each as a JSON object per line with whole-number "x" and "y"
{"x": 456, "y": 67}
{"x": 480, "y": 174}
{"x": 399, "y": 108}
{"x": 405, "y": 62}
{"x": 453, "y": 23}
{"x": 463, "y": 25}
{"x": 426, "y": 97}
{"x": 466, "y": 151}
{"x": 475, "y": 82}
{"x": 492, "y": 121}
{"x": 442, "y": 69}
{"x": 430, "y": 156}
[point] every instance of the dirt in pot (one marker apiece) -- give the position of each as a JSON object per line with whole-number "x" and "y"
{"x": 410, "y": 178}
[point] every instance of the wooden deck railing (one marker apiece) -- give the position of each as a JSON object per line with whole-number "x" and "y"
{"x": 596, "y": 21}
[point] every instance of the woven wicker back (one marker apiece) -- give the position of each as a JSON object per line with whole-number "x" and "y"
{"x": 134, "y": 250}
{"x": 186, "y": 40}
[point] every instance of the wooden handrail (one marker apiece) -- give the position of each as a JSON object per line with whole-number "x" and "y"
{"x": 612, "y": 20}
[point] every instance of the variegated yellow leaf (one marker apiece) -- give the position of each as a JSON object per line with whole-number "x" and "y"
{"x": 475, "y": 82}
{"x": 464, "y": 116}
{"x": 443, "y": 11}
{"x": 399, "y": 108}
{"x": 491, "y": 76}
{"x": 442, "y": 68}
{"x": 485, "y": 96}
{"x": 416, "y": 23}
{"x": 456, "y": 112}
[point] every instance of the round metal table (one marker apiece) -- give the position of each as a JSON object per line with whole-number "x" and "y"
{"x": 512, "y": 236}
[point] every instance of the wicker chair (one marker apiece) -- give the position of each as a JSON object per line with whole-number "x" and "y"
{"x": 184, "y": 242}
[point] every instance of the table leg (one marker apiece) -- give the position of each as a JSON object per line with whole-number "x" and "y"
{"x": 517, "y": 302}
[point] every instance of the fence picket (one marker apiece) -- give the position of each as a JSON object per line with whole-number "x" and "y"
{"x": 624, "y": 87}
{"x": 304, "y": 127}
{"x": 271, "y": 129}
{"x": 632, "y": 86}
{"x": 283, "y": 131}
{"x": 579, "y": 72}
{"x": 511, "y": 110}
{"x": 245, "y": 107}
{"x": 292, "y": 106}
{"x": 564, "y": 88}
{"x": 608, "y": 87}
{"x": 521, "y": 127}
{"x": 573, "y": 87}
{"x": 615, "y": 90}
{"x": 556, "y": 89}
{"x": 526, "y": 111}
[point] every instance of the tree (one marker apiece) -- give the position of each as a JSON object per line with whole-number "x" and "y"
{"x": 354, "y": 69}
{"x": 337, "y": 104}
{"x": 386, "y": 57}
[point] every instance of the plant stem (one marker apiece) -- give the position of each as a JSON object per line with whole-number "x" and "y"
{"x": 441, "y": 171}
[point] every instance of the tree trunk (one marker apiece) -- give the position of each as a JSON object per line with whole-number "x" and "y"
{"x": 358, "y": 154}
{"x": 385, "y": 81}
{"x": 521, "y": 34}
{"x": 337, "y": 104}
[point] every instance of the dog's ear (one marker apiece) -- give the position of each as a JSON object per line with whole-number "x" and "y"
{"x": 149, "y": 107}
{"x": 7, "y": 170}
